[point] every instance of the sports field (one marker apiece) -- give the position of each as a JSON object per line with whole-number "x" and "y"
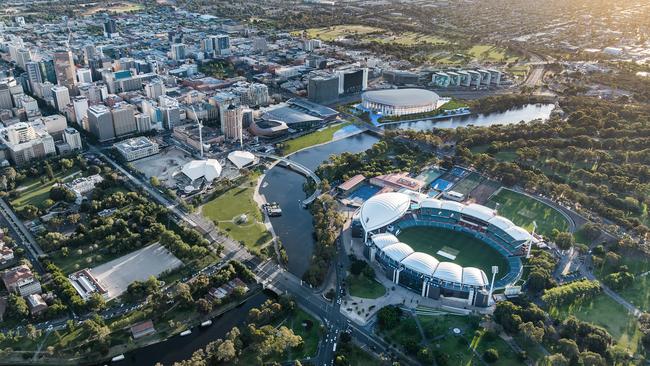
{"x": 523, "y": 210}
{"x": 471, "y": 251}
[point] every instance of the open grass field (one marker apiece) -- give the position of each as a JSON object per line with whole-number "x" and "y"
{"x": 308, "y": 328}
{"x": 409, "y": 39}
{"x": 228, "y": 207}
{"x": 339, "y": 31}
{"x": 490, "y": 53}
{"x": 314, "y": 138}
{"x": 472, "y": 252}
{"x": 34, "y": 192}
{"x": 367, "y": 288}
{"x": 639, "y": 292}
{"x": 119, "y": 7}
{"x": 607, "y": 313}
{"x": 523, "y": 210}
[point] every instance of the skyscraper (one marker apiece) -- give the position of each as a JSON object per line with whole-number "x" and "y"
{"x": 61, "y": 96}
{"x": 232, "y": 122}
{"x": 100, "y": 123}
{"x": 65, "y": 69}
{"x": 33, "y": 73}
{"x": 221, "y": 45}
{"x": 178, "y": 51}
{"x": 84, "y": 76}
{"x": 123, "y": 119}
{"x": 89, "y": 53}
{"x": 110, "y": 28}
{"x": 80, "y": 108}
{"x": 5, "y": 97}
{"x": 48, "y": 72}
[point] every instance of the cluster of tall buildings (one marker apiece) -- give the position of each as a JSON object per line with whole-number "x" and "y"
{"x": 326, "y": 87}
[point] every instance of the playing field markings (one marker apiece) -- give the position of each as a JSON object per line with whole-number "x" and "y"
{"x": 449, "y": 253}
{"x": 526, "y": 213}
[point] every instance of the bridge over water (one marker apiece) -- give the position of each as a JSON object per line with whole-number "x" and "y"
{"x": 300, "y": 169}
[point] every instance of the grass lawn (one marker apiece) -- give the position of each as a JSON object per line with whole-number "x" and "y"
{"x": 331, "y": 33}
{"x": 472, "y": 251}
{"x": 409, "y": 39}
{"x": 406, "y": 330}
{"x": 238, "y": 201}
{"x": 308, "y": 328}
{"x": 490, "y": 53}
{"x": 607, "y": 313}
{"x": 505, "y": 156}
{"x": 367, "y": 288}
{"x": 523, "y": 210}
{"x": 88, "y": 259}
{"x": 33, "y": 192}
{"x": 639, "y": 292}
{"x": 356, "y": 356}
{"x": 453, "y": 104}
{"x": 314, "y": 138}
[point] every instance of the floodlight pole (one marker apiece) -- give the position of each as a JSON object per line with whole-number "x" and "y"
{"x": 495, "y": 270}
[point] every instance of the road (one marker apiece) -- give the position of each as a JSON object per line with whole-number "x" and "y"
{"x": 22, "y": 236}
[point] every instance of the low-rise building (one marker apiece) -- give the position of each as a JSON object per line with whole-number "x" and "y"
{"x": 397, "y": 181}
{"x": 36, "y": 304}
{"x": 86, "y": 284}
{"x": 143, "y": 329}
{"x": 136, "y": 148}
{"x": 21, "y": 280}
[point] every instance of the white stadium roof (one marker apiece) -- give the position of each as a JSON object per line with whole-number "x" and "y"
{"x": 397, "y": 251}
{"x": 501, "y": 222}
{"x": 474, "y": 277}
{"x": 478, "y": 211}
{"x": 384, "y": 239}
{"x": 518, "y": 233}
{"x": 402, "y": 97}
{"x": 450, "y": 272}
{"x": 383, "y": 209}
{"x": 431, "y": 203}
{"x": 241, "y": 158}
{"x": 421, "y": 262}
{"x": 209, "y": 169}
{"x": 452, "y": 206}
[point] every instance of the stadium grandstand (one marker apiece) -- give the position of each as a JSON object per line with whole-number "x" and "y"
{"x": 384, "y": 216}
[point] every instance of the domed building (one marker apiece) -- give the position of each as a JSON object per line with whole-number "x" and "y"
{"x": 400, "y": 102}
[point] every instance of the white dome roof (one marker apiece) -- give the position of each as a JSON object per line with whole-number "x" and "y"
{"x": 241, "y": 158}
{"x": 501, "y": 222}
{"x": 478, "y": 211}
{"x": 384, "y": 239}
{"x": 397, "y": 251}
{"x": 421, "y": 263}
{"x": 431, "y": 203}
{"x": 448, "y": 271}
{"x": 209, "y": 169}
{"x": 474, "y": 277}
{"x": 383, "y": 209}
{"x": 451, "y": 206}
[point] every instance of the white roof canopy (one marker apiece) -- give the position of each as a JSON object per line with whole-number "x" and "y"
{"x": 209, "y": 169}
{"x": 383, "y": 209}
{"x": 241, "y": 158}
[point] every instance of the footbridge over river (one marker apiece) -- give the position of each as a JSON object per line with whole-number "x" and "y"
{"x": 300, "y": 169}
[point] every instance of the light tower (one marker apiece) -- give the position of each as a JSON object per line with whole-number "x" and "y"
{"x": 198, "y": 122}
{"x": 495, "y": 270}
{"x": 530, "y": 241}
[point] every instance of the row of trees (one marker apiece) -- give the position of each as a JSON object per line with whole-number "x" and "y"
{"x": 258, "y": 337}
{"x": 328, "y": 223}
{"x": 570, "y": 293}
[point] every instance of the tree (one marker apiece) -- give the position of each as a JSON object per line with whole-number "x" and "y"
{"x": 491, "y": 355}
{"x": 96, "y": 302}
{"x": 592, "y": 359}
{"x": 564, "y": 240}
{"x": 226, "y": 352}
{"x": 203, "y": 306}
{"x": 556, "y": 359}
{"x": 154, "y": 181}
{"x": 66, "y": 164}
{"x": 569, "y": 349}
{"x": 32, "y": 332}
{"x": 388, "y": 317}
{"x": 532, "y": 333}
{"x": 17, "y": 307}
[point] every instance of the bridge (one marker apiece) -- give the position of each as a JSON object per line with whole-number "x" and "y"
{"x": 300, "y": 169}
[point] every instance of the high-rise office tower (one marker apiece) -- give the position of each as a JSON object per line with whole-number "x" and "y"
{"x": 72, "y": 138}
{"x": 23, "y": 56}
{"x": 143, "y": 122}
{"x": 100, "y": 123}
{"x": 89, "y": 53}
{"x": 80, "y": 104}
{"x": 123, "y": 119}
{"x": 221, "y": 45}
{"x": 61, "y": 96}
{"x": 5, "y": 97}
{"x": 110, "y": 28}
{"x": 178, "y": 51}
{"x": 84, "y": 76}
{"x": 33, "y": 73}
{"x": 154, "y": 89}
{"x": 232, "y": 122}
{"x": 48, "y": 72}
{"x": 65, "y": 69}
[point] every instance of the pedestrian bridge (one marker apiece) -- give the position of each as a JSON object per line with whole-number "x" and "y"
{"x": 300, "y": 169}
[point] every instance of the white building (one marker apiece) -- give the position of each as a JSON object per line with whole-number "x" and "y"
{"x": 73, "y": 138}
{"x": 61, "y": 96}
{"x": 80, "y": 105}
{"x": 27, "y": 141}
{"x": 136, "y": 148}
{"x": 84, "y": 75}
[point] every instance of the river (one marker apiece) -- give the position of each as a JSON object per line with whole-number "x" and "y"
{"x": 180, "y": 348}
{"x": 525, "y": 113}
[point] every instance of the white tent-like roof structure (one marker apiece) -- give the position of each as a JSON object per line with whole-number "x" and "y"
{"x": 241, "y": 158}
{"x": 209, "y": 169}
{"x": 383, "y": 209}
{"x": 384, "y": 239}
{"x": 421, "y": 263}
{"x": 473, "y": 276}
{"x": 448, "y": 271}
{"x": 397, "y": 251}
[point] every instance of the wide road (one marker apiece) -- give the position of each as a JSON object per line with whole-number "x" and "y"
{"x": 22, "y": 236}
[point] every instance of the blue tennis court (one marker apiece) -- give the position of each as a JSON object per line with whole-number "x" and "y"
{"x": 363, "y": 192}
{"x": 441, "y": 184}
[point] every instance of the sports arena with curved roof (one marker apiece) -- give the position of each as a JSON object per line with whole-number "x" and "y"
{"x": 399, "y": 102}
{"x": 383, "y": 217}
